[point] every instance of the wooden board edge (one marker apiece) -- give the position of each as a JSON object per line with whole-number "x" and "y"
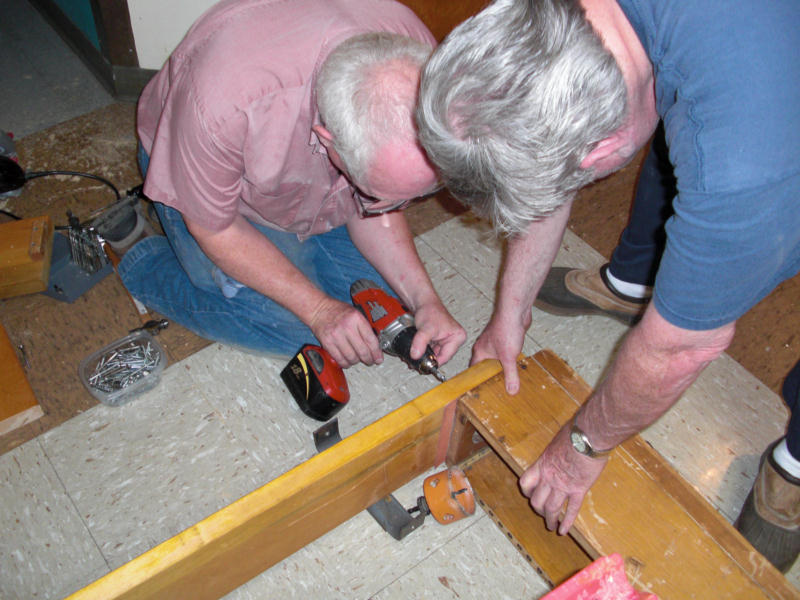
{"x": 554, "y": 557}
{"x": 750, "y": 562}
{"x": 18, "y": 404}
{"x": 21, "y": 418}
{"x": 201, "y": 561}
{"x": 739, "y": 549}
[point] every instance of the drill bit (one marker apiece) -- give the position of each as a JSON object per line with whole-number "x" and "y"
{"x": 429, "y": 366}
{"x": 439, "y": 375}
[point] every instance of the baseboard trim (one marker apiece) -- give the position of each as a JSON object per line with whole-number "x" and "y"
{"x": 122, "y": 82}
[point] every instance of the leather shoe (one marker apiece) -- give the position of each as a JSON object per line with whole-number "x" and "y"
{"x": 572, "y": 292}
{"x": 770, "y": 517}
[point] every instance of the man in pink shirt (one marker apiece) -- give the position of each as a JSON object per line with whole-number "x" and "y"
{"x": 279, "y": 146}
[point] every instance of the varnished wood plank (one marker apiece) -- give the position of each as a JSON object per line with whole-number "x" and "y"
{"x": 18, "y": 405}
{"x": 672, "y": 483}
{"x": 441, "y": 17}
{"x": 674, "y": 544}
{"x": 233, "y": 545}
{"x": 464, "y": 439}
{"x": 496, "y": 487}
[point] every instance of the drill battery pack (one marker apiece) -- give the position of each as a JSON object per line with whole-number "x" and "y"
{"x": 316, "y": 382}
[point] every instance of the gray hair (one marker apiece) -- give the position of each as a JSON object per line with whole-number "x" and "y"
{"x": 512, "y": 101}
{"x": 363, "y": 97}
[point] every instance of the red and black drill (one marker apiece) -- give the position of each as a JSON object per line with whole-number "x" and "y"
{"x": 317, "y": 382}
{"x": 393, "y": 325}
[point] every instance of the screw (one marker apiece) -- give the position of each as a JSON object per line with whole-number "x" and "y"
{"x": 124, "y": 366}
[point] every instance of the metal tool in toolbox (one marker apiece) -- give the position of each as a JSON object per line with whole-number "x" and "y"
{"x": 86, "y": 253}
{"x": 316, "y": 382}
{"x": 393, "y": 325}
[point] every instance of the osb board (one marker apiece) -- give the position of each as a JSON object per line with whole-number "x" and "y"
{"x": 57, "y": 335}
{"x": 675, "y": 544}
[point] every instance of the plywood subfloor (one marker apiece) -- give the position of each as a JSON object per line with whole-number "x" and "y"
{"x": 56, "y": 336}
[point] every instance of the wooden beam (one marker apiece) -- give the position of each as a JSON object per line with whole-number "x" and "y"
{"x": 442, "y": 16}
{"x": 18, "y": 405}
{"x": 555, "y": 558}
{"x": 225, "y": 550}
{"x": 676, "y": 544}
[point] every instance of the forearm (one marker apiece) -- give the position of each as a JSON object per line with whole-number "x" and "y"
{"x": 253, "y": 260}
{"x": 387, "y": 243}
{"x": 527, "y": 263}
{"x": 655, "y": 365}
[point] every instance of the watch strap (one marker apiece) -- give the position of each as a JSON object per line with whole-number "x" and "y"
{"x": 585, "y": 446}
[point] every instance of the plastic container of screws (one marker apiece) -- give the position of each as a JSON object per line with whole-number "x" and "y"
{"x": 124, "y": 369}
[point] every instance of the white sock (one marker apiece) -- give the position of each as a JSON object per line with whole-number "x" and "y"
{"x": 634, "y": 290}
{"x": 789, "y": 463}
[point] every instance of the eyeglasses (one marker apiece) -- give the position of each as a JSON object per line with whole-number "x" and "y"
{"x": 364, "y": 203}
{"x": 366, "y": 211}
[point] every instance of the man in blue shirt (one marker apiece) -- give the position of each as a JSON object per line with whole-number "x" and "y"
{"x": 527, "y": 102}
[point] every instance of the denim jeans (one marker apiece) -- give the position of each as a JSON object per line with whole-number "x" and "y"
{"x": 791, "y": 395}
{"x": 638, "y": 253}
{"x": 174, "y": 277}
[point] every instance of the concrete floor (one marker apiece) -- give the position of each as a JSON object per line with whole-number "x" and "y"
{"x": 111, "y": 483}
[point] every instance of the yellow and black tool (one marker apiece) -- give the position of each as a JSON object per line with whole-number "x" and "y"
{"x": 317, "y": 382}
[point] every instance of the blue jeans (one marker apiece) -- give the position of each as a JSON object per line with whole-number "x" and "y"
{"x": 638, "y": 253}
{"x": 174, "y": 277}
{"x": 791, "y": 395}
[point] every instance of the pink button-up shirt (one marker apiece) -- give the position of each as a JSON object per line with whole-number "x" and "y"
{"x": 227, "y": 121}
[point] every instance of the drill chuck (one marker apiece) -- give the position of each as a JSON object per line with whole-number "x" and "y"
{"x": 396, "y": 339}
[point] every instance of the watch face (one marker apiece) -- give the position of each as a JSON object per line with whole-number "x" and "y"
{"x": 578, "y": 442}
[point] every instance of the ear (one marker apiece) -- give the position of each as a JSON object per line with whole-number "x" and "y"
{"x": 324, "y": 136}
{"x": 604, "y": 150}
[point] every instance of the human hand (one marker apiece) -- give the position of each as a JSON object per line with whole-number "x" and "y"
{"x": 502, "y": 340}
{"x": 560, "y": 475}
{"x": 435, "y": 326}
{"x": 345, "y": 333}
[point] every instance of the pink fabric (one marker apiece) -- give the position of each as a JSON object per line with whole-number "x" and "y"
{"x": 604, "y": 579}
{"x": 227, "y": 121}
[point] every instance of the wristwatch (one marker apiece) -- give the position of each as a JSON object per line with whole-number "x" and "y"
{"x": 582, "y": 444}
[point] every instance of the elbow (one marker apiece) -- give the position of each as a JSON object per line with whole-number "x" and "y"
{"x": 709, "y": 345}
{"x": 694, "y": 349}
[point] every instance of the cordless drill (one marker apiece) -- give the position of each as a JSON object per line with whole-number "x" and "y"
{"x": 393, "y": 325}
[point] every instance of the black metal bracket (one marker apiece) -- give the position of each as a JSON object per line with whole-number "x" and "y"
{"x": 388, "y": 512}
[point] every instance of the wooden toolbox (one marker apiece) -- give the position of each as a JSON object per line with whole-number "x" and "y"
{"x": 26, "y": 247}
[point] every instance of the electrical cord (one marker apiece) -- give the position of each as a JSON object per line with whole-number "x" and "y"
{"x": 134, "y": 192}
{"x": 35, "y": 174}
